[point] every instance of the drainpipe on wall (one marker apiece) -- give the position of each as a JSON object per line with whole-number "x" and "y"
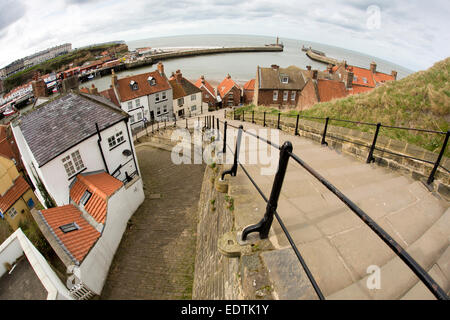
{"x": 100, "y": 147}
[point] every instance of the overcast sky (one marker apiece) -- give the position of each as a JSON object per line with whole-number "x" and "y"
{"x": 414, "y": 34}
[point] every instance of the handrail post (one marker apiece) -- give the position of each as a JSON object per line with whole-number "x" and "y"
{"x": 224, "y": 137}
{"x": 164, "y": 123}
{"x": 278, "y": 122}
{"x": 217, "y": 124}
{"x": 186, "y": 123}
{"x": 264, "y": 225}
{"x": 264, "y": 119}
{"x": 224, "y": 113}
{"x": 175, "y": 124}
{"x": 438, "y": 161}
{"x": 233, "y": 169}
{"x": 253, "y": 116}
{"x": 325, "y": 132}
{"x": 157, "y": 129}
{"x": 213, "y": 122}
{"x": 296, "y": 125}
{"x": 243, "y": 115}
{"x": 370, "y": 158}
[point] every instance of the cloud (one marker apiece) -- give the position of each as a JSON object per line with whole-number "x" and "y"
{"x": 411, "y": 33}
{"x": 10, "y": 12}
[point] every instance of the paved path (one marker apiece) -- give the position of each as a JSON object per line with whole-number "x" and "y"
{"x": 337, "y": 246}
{"x": 155, "y": 259}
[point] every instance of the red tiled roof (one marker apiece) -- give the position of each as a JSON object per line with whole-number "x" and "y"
{"x": 110, "y": 95}
{"x": 360, "y": 74}
{"x": 226, "y": 85}
{"x": 208, "y": 87}
{"x": 13, "y": 194}
{"x": 77, "y": 242}
{"x": 102, "y": 186}
{"x": 250, "y": 85}
{"x": 330, "y": 89}
{"x": 144, "y": 88}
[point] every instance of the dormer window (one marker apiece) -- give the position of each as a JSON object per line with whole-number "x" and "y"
{"x": 151, "y": 80}
{"x": 69, "y": 227}
{"x": 284, "y": 79}
{"x": 134, "y": 85}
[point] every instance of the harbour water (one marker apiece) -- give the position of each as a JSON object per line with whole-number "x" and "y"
{"x": 242, "y": 66}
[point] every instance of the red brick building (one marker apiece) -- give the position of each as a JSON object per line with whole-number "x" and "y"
{"x": 278, "y": 87}
{"x": 229, "y": 92}
{"x": 359, "y": 79}
{"x": 208, "y": 92}
{"x": 249, "y": 91}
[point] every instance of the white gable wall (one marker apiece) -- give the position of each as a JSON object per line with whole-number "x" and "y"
{"x": 121, "y": 206}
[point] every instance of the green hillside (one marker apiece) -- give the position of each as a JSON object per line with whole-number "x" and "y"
{"x": 421, "y": 100}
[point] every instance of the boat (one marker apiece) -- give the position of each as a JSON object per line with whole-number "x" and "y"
{"x": 9, "y": 111}
{"x": 90, "y": 77}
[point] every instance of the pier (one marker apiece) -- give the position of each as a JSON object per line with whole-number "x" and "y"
{"x": 322, "y": 58}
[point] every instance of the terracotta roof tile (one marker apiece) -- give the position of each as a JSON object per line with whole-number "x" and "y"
{"x": 225, "y": 86}
{"x": 330, "y": 89}
{"x": 383, "y": 77}
{"x": 13, "y": 194}
{"x": 110, "y": 95}
{"x": 144, "y": 88}
{"x": 77, "y": 242}
{"x": 250, "y": 85}
{"x": 207, "y": 85}
{"x": 102, "y": 186}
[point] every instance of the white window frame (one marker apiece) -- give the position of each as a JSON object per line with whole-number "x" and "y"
{"x": 275, "y": 95}
{"x": 193, "y": 97}
{"x": 285, "y": 79}
{"x": 138, "y": 103}
{"x": 164, "y": 95}
{"x": 139, "y": 116}
{"x": 130, "y": 105}
{"x": 73, "y": 163}
{"x": 180, "y": 101}
{"x": 164, "y": 108}
{"x": 158, "y": 111}
{"x": 293, "y": 93}
{"x": 157, "y": 97}
{"x": 285, "y": 95}
{"x": 194, "y": 107}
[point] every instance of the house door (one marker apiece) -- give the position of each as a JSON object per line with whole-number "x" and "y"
{"x": 152, "y": 116}
{"x": 181, "y": 112}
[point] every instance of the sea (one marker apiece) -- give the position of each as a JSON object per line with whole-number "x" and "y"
{"x": 242, "y": 66}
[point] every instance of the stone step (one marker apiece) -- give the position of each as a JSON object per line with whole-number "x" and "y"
{"x": 397, "y": 280}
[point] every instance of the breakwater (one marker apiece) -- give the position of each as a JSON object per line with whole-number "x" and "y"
{"x": 322, "y": 58}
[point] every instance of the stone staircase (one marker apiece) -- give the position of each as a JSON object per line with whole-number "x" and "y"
{"x": 337, "y": 246}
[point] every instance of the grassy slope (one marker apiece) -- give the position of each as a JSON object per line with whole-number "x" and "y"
{"x": 421, "y": 100}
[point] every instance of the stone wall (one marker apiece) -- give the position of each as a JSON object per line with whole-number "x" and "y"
{"x": 216, "y": 276}
{"x": 357, "y": 143}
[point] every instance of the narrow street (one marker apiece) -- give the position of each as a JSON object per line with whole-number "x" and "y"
{"x": 156, "y": 257}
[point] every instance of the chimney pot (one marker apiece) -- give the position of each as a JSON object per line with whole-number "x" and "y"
{"x": 308, "y": 68}
{"x": 373, "y": 67}
{"x": 314, "y": 74}
{"x": 394, "y": 74}
{"x": 274, "y": 66}
{"x": 160, "y": 68}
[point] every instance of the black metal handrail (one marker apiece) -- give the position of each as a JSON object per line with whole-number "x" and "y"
{"x": 370, "y": 158}
{"x": 263, "y": 226}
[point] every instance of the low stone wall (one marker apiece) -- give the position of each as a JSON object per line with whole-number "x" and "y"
{"x": 357, "y": 143}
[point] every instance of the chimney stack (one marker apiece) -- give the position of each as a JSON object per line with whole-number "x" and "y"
{"x": 308, "y": 68}
{"x": 330, "y": 68}
{"x": 113, "y": 78}
{"x": 203, "y": 79}
{"x": 39, "y": 88}
{"x": 394, "y": 74}
{"x": 373, "y": 67}
{"x": 178, "y": 76}
{"x": 275, "y": 67}
{"x": 228, "y": 76}
{"x": 93, "y": 90}
{"x": 314, "y": 74}
{"x": 160, "y": 68}
{"x": 350, "y": 78}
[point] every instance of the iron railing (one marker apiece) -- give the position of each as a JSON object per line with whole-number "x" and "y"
{"x": 263, "y": 226}
{"x": 370, "y": 158}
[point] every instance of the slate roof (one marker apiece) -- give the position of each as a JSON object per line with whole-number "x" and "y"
{"x": 66, "y": 121}
{"x": 270, "y": 78}
{"x": 183, "y": 88}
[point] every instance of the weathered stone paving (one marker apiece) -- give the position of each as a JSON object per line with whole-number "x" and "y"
{"x": 155, "y": 259}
